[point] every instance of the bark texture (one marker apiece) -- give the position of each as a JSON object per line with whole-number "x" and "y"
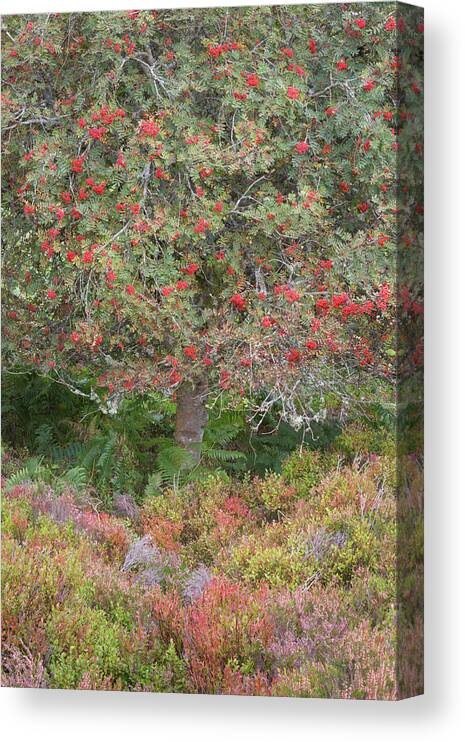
{"x": 191, "y": 416}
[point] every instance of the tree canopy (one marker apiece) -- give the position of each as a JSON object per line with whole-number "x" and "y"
{"x": 209, "y": 197}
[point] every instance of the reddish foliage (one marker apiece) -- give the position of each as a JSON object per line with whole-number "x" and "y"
{"x": 164, "y": 532}
{"x": 227, "y": 621}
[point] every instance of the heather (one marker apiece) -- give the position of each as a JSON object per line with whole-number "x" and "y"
{"x": 277, "y": 585}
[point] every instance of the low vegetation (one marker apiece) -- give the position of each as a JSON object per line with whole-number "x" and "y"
{"x": 277, "y": 585}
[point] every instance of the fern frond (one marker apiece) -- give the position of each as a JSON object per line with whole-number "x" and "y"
{"x": 224, "y": 455}
{"x": 70, "y": 452}
{"x": 77, "y": 476}
{"x": 33, "y": 471}
{"x": 171, "y": 461}
{"x": 106, "y": 459}
{"x": 152, "y": 488}
{"x": 44, "y": 438}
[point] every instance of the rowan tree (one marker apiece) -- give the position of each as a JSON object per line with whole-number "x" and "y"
{"x": 205, "y": 202}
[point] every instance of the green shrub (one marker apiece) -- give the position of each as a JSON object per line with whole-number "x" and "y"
{"x": 355, "y": 441}
{"x": 305, "y": 470}
{"x": 275, "y": 494}
{"x": 360, "y": 550}
{"x": 277, "y": 566}
{"x": 83, "y": 639}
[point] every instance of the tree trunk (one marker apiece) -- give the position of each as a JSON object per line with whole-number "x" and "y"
{"x": 191, "y": 416}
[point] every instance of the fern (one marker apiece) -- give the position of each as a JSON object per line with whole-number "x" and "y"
{"x": 33, "y": 470}
{"x": 90, "y": 454}
{"x": 153, "y": 486}
{"x": 224, "y": 455}
{"x": 174, "y": 463}
{"x": 70, "y": 452}
{"x": 224, "y": 428}
{"x": 44, "y": 438}
{"x": 77, "y": 477}
{"x": 106, "y": 459}
{"x": 221, "y": 431}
